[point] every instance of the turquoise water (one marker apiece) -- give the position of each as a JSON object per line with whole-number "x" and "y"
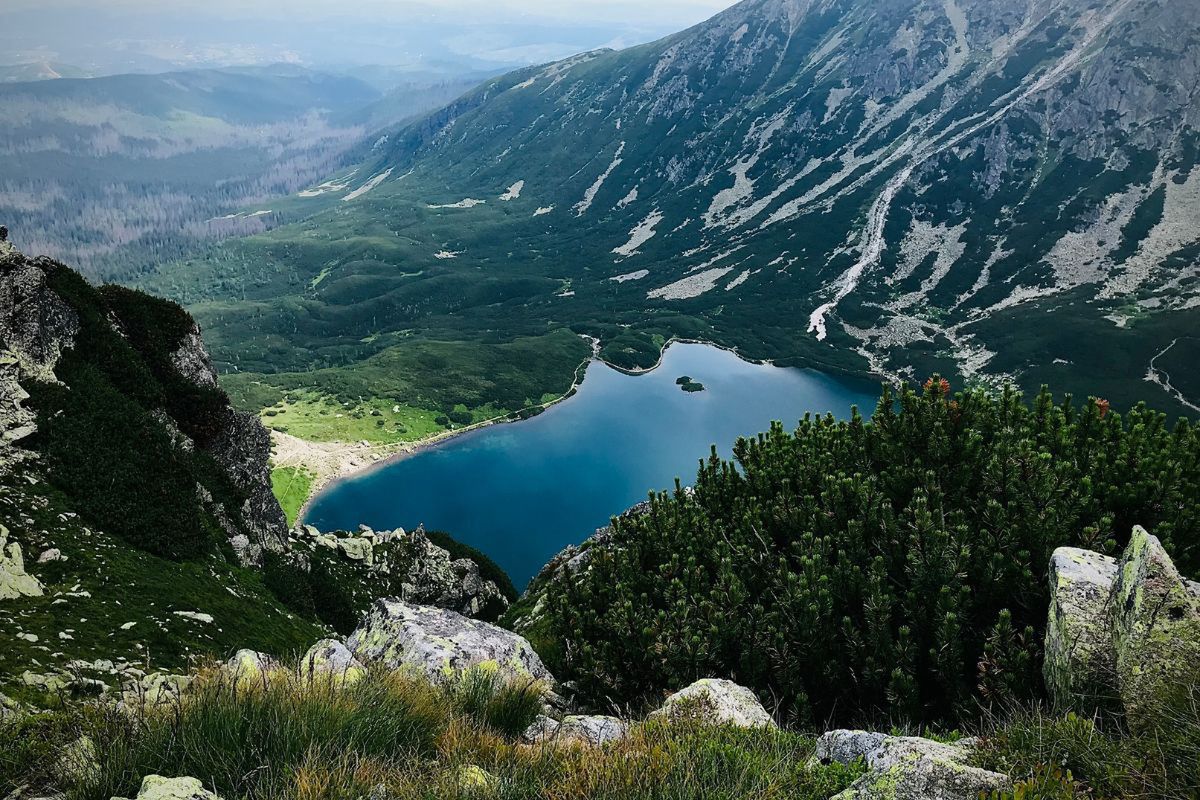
{"x": 521, "y": 492}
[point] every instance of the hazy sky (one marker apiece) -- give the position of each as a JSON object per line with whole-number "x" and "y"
{"x": 149, "y": 34}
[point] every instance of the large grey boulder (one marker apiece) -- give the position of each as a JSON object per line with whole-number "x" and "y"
{"x": 1156, "y": 631}
{"x": 1122, "y": 633}
{"x": 717, "y": 702}
{"x": 591, "y": 730}
{"x": 1078, "y": 668}
{"x": 441, "y": 644}
{"x": 909, "y": 768}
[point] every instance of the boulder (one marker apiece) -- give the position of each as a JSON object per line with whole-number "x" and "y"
{"x": 1156, "y": 631}
{"x": 156, "y": 787}
{"x": 847, "y": 746}
{"x": 331, "y": 659}
{"x": 1078, "y": 667}
{"x": 1124, "y": 634}
{"x": 357, "y": 549}
{"x": 540, "y": 730}
{"x": 441, "y": 644}
{"x": 249, "y": 669}
{"x": 473, "y": 781}
{"x": 909, "y": 768}
{"x": 14, "y": 580}
{"x": 718, "y": 702}
{"x": 590, "y": 730}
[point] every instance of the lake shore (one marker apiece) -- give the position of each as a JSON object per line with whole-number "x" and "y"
{"x": 332, "y": 462}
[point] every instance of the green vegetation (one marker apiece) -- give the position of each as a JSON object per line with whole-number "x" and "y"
{"x": 292, "y": 487}
{"x": 101, "y": 585}
{"x": 413, "y": 390}
{"x": 860, "y": 569}
{"x": 291, "y": 739}
{"x": 1069, "y": 757}
{"x": 100, "y": 430}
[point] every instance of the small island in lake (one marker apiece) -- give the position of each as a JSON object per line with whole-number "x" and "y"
{"x": 686, "y": 383}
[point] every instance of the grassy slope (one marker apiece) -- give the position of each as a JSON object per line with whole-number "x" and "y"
{"x": 104, "y": 584}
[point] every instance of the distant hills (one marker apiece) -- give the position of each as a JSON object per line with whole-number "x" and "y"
{"x": 120, "y": 172}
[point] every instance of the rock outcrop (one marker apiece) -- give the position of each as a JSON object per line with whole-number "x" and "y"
{"x": 243, "y": 450}
{"x": 717, "y": 702}
{"x": 441, "y": 644}
{"x": 36, "y": 325}
{"x": 908, "y": 768}
{"x": 14, "y": 580}
{"x": 1121, "y": 633}
{"x": 409, "y": 566}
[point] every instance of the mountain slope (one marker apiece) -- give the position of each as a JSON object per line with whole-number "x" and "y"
{"x": 990, "y": 190}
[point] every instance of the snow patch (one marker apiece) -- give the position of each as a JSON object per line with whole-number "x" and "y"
{"x": 543, "y": 211}
{"x": 445, "y": 255}
{"x": 630, "y": 276}
{"x": 628, "y": 199}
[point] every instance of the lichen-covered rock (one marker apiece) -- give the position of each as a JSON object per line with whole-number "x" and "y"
{"x": 441, "y": 643}
{"x": 357, "y": 549}
{"x": 474, "y": 781}
{"x": 592, "y": 730}
{"x": 250, "y": 669}
{"x": 541, "y": 729}
{"x": 156, "y": 787}
{"x": 1079, "y": 669}
{"x": 908, "y": 767}
{"x": 847, "y": 746}
{"x": 329, "y": 658}
{"x": 14, "y": 580}
{"x": 156, "y": 690}
{"x": 1156, "y": 631}
{"x": 718, "y": 702}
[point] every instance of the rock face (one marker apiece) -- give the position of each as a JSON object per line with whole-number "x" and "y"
{"x": 243, "y": 449}
{"x": 908, "y": 768}
{"x": 1123, "y": 633}
{"x": 410, "y": 567}
{"x": 718, "y": 702}
{"x": 36, "y": 325}
{"x": 440, "y": 643}
{"x": 14, "y": 580}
